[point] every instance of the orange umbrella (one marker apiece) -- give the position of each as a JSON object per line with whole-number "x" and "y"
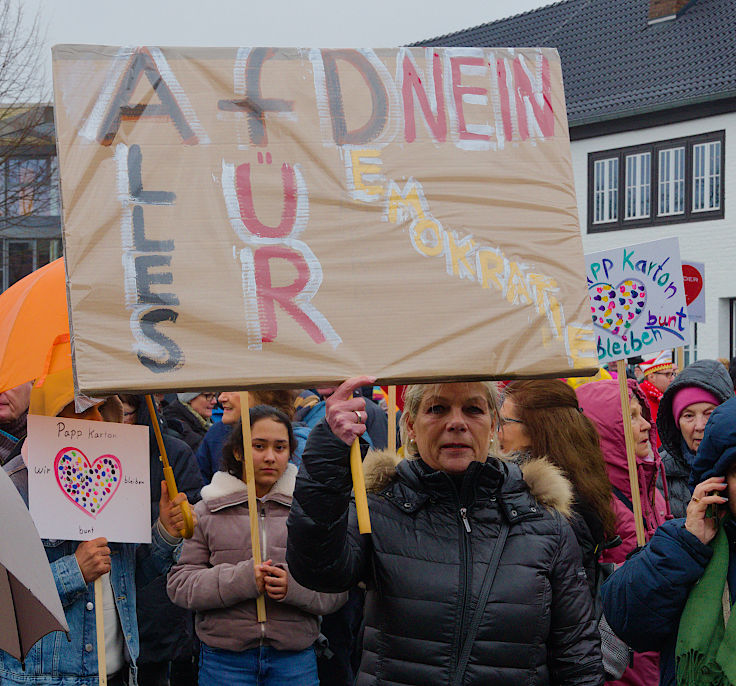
{"x": 34, "y": 327}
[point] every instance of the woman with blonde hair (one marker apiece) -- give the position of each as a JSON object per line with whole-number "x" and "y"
{"x": 473, "y": 575}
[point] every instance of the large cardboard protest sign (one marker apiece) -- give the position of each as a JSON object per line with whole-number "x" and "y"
{"x": 261, "y": 217}
{"x": 637, "y": 299}
{"x": 88, "y": 479}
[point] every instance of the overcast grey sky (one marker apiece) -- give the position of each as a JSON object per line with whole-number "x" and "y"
{"x": 292, "y": 23}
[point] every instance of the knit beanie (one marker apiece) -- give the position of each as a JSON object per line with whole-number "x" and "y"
{"x": 186, "y": 398}
{"x": 689, "y": 395}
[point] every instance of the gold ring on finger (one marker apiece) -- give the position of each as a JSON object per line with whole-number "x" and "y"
{"x": 695, "y": 499}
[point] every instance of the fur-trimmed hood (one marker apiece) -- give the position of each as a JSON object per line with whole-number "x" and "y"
{"x": 545, "y": 481}
{"x": 227, "y": 490}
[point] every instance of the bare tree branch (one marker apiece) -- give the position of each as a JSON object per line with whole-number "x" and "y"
{"x": 27, "y": 154}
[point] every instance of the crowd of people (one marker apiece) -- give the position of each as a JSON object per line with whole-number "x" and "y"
{"x": 493, "y": 529}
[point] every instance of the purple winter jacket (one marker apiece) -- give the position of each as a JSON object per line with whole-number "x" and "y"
{"x": 215, "y": 578}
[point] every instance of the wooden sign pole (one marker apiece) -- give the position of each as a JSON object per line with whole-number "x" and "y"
{"x": 100, "y": 622}
{"x": 250, "y": 481}
{"x": 680, "y": 358}
{"x": 186, "y": 509}
{"x": 630, "y": 456}
{"x": 361, "y": 497}
{"x": 392, "y": 419}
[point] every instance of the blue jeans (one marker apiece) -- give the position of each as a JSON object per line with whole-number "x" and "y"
{"x": 264, "y": 666}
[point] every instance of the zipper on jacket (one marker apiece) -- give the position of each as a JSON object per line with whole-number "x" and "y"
{"x": 464, "y": 517}
{"x": 464, "y": 583}
{"x": 262, "y": 528}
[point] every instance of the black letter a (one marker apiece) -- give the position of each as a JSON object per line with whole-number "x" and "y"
{"x": 119, "y": 107}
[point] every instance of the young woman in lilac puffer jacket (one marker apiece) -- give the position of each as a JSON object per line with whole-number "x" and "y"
{"x": 216, "y": 576}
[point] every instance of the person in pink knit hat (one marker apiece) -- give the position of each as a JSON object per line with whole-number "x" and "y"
{"x": 683, "y": 413}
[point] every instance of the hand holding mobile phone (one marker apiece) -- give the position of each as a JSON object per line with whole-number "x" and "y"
{"x": 703, "y": 512}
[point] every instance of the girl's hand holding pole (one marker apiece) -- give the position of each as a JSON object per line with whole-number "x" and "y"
{"x": 260, "y": 574}
{"x": 271, "y": 580}
{"x": 276, "y": 581}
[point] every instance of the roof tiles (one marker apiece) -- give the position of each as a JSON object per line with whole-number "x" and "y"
{"x": 614, "y": 63}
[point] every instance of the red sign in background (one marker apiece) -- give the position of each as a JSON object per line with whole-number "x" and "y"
{"x": 693, "y": 281}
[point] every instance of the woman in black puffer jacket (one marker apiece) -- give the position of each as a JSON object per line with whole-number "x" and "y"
{"x": 472, "y": 579}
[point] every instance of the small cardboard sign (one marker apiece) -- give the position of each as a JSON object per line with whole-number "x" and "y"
{"x": 637, "y": 299}
{"x": 89, "y": 479}
{"x": 693, "y": 274}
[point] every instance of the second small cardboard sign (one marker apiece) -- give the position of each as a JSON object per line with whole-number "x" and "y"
{"x": 89, "y": 479}
{"x": 637, "y": 299}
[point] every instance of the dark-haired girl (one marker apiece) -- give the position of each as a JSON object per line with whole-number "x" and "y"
{"x": 217, "y": 578}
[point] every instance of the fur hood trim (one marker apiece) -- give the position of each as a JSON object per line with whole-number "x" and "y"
{"x": 548, "y": 485}
{"x": 546, "y": 481}
{"x": 226, "y": 490}
{"x": 379, "y": 469}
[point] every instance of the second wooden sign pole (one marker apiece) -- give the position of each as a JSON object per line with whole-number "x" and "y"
{"x": 250, "y": 482}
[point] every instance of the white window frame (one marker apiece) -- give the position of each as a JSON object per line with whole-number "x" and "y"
{"x": 638, "y": 201}
{"x": 671, "y": 181}
{"x": 605, "y": 190}
{"x": 707, "y": 176}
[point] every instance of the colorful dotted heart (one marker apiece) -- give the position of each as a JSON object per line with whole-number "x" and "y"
{"x": 88, "y": 486}
{"x": 616, "y": 308}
